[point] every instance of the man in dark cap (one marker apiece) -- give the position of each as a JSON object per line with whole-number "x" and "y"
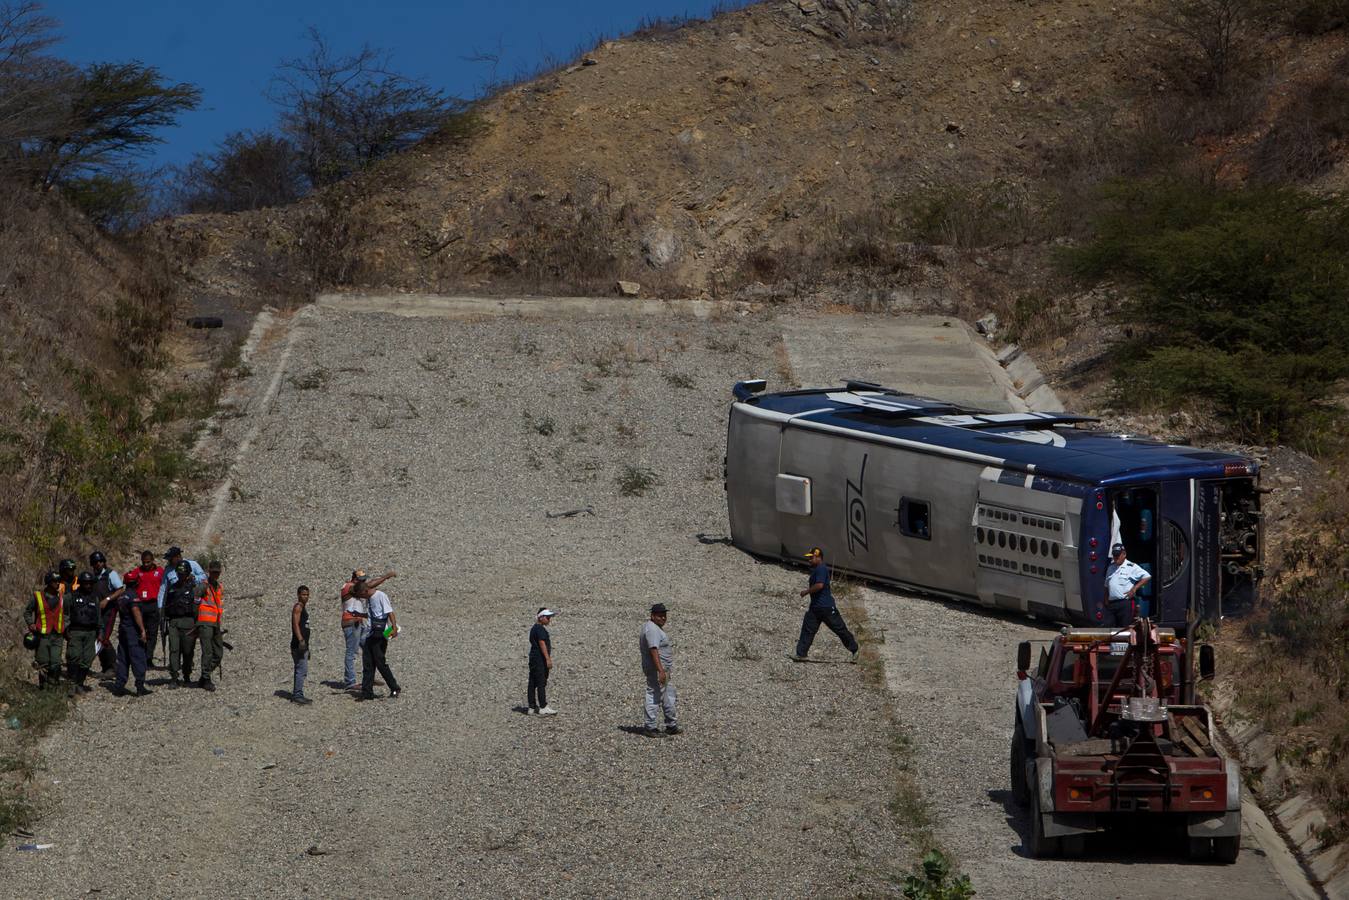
{"x": 1123, "y": 580}
{"x": 46, "y": 617}
{"x": 180, "y": 612}
{"x": 84, "y": 621}
{"x": 658, "y": 667}
{"x": 110, "y": 590}
{"x": 132, "y": 636}
{"x": 822, "y": 609}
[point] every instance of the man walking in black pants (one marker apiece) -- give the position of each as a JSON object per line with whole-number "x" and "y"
{"x": 822, "y": 609}
{"x": 540, "y": 664}
{"x": 383, "y": 626}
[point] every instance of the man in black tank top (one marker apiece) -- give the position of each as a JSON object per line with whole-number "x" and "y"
{"x": 299, "y": 643}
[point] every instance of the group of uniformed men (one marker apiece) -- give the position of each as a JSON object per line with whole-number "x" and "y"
{"x": 76, "y": 615}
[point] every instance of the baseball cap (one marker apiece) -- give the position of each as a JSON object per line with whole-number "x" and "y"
{"x": 544, "y": 612}
{"x": 812, "y": 551}
{"x": 1116, "y": 550}
{"x": 658, "y": 608}
{"x": 359, "y": 575}
{"x": 172, "y": 552}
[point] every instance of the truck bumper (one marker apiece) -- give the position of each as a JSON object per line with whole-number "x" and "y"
{"x": 1214, "y": 825}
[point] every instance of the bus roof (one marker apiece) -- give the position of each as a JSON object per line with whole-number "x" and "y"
{"x": 1047, "y": 444}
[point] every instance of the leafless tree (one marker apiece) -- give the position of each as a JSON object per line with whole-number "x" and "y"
{"x": 35, "y": 88}
{"x": 247, "y": 171}
{"x": 344, "y": 112}
{"x": 1214, "y": 32}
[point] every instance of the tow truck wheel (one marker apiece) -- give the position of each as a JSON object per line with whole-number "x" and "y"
{"x": 1020, "y": 790}
{"x": 1226, "y": 849}
{"x": 1040, "y": 845}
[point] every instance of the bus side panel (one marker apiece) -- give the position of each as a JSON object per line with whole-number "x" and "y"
{"x": 859, "y": 490}
{"x": 839, "y": 520}
{"x": 927, "y": 489}
{"x": 1028, "y": 563}
{"x": 752, "y": 445}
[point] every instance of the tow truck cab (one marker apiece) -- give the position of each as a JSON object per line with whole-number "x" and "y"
{"x": 1106, "y": 726}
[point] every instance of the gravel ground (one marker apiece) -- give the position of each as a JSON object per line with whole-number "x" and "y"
{"x": 434, "y": 448}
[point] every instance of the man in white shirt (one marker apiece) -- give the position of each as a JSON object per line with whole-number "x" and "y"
{"x": 1123, "y": 581}
{"x": 382, "y": 620}
{"x": 356, "y": 620}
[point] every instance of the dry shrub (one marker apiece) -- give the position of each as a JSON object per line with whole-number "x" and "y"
{"x": 1309, "y": 136}
{"x": 1291, "y": 663}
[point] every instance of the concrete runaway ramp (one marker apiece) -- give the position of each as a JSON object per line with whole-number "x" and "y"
{"x": 935, "y": 356}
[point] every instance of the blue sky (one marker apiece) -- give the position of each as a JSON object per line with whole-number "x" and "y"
{"x": 230, "y": 48}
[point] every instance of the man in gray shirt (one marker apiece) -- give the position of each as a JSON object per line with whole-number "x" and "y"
{"x": 658, "y": 667}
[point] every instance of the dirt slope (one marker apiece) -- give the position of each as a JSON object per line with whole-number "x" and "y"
{"x": 667, "y": 157}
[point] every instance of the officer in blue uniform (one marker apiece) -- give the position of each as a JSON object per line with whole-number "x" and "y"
{"x": 131, "y": 641}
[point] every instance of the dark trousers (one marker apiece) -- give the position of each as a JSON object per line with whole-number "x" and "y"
{"x": 373, "y": 658}
{"x": 830, "y": 618}
{"x": 1119, "y": 614}
{"x": 538, "y": 683}
{"x": 150, "y": 616}
{"x": 130, "y": 655}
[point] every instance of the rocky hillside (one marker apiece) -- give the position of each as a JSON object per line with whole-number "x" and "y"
{"x": 697, "y": 159}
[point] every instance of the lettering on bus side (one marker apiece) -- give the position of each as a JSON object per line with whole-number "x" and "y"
{"x": 855, "y": 511}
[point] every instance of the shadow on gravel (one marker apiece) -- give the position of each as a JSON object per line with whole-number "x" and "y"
{"x": 1140, "y": 842}
{"x": 336, "y": 686}
{"x": 639, "y": 731}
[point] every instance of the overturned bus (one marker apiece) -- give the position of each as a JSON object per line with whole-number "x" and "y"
{"x": 1015, "y": 511}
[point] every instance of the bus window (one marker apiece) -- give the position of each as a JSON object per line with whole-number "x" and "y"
{"x": 913, "y": 518}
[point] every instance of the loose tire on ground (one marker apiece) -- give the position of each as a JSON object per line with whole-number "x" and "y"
{"x": 1017, "y": 773}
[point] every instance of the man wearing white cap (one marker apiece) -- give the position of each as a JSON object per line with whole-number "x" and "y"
{"x": 1123, "y": 580}
{"x": 540, "y": 664}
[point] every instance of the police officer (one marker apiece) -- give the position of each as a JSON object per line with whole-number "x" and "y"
{"x": 132, "y": 637}
{"x": 46, "y": 616}
{"x": 110, "y": 588}
{"x": 1124, "y": 578}
{"x": 84, "y": 622}
{"x": 66, "y": 570}
{"x": 180, "y": 612}
{"x": 210, "y": 625}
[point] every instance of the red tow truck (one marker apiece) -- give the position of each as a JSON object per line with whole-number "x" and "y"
{"x": 1107, "y": 728}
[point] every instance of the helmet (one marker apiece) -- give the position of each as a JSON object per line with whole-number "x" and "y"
{"x": 87, "y": 578}
{"x": 30, "y": 640}
{"x": 67, "y": 565}
{"x": 97, "y": 557}
{"x": 51, "y": 578}
{"x": 183, "y": 568}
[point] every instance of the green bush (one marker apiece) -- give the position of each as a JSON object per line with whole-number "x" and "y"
{"x": 935, "y": 879}
{"x": 1239, "y": 300}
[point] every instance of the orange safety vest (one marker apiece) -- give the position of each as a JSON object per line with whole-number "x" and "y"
{"x": 43, "y": 613}
{"x": 211, "y": 605}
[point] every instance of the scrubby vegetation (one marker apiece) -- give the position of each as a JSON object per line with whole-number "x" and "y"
{"x": 1238, "y": 301}
{"x": 1304, "y": 699}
